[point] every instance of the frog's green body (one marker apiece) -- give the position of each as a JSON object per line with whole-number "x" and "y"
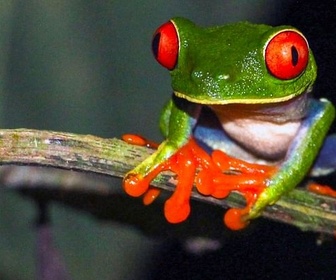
{"x": 259, "y": 91}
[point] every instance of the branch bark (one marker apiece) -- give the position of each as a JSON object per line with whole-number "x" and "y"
{"x": 113, "y": 158}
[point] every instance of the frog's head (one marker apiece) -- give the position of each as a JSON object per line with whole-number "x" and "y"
{"x": 235, "y": 63}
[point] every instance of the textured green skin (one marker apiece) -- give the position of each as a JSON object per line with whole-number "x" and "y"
{"x": 236, "y": 50}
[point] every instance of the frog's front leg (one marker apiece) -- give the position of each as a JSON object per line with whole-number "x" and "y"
{"x": 300, "y": 156}
{"x": 177, "y": 122}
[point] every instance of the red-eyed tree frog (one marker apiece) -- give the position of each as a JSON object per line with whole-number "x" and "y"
{"x": 241, "y": 117}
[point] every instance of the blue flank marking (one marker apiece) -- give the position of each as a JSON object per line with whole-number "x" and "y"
{"x": 325, "y": 163}
{"x": 209, "y": 128}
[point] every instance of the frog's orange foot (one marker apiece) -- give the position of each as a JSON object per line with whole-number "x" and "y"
{"x": 227, "y": 174}
{"x": 322, "y": 189}
{"x": 175, "y": 211}
{"x": 184, "y": 164}
{"x": 151, "y": 195}
{"x": 238, "y": 218}
{"x": 135, "y": 185}
{"x": 216, "y": 175}
{"x": 235, "y": 219}
{"x": 138, "y": 140}
{"x": 233, "y": 165}
{"x": 249, "y": 186}
{"x": 234, "y": 175}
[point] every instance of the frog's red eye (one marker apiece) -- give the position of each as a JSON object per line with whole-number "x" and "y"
{"x": 165, "y": 45}
{"x": 287, "y": 55}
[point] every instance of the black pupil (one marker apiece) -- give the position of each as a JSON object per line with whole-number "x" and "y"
{"x": 155, "y": 44}
{"x": 295, "y": 56}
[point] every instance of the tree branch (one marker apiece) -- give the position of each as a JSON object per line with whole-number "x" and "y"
{"x": 113, "y": 157}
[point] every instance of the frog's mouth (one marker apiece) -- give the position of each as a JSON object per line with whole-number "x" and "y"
{"x": 244, "y": 101}
{"x": 283, "y": 111}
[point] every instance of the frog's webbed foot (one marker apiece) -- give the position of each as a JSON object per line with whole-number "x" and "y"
{"x": 250, "y": 180}
{"x": 216, "y": 175}
{"x": 183, "y": 163}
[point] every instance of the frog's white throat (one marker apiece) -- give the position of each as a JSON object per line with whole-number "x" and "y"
{"x": 265, "y": 130}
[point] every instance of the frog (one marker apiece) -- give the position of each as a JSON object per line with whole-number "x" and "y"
{"x": 241, "y": 117}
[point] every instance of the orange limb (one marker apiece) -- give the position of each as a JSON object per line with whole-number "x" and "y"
{"x": 138, "y": 140}
{"x": 136, "y": 186}
{"x": 215, "y": 175}
{"x": 234, "y": 175}
{"x": 227, "y": 163}
{"x": 151, "y": 195}
{"x": 322, "y": 189}
{"x": 177, "y": 207}
{"x": 233, "y": 218}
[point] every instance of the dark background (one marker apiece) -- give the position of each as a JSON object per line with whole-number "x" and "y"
{"x": 86, "y": 67}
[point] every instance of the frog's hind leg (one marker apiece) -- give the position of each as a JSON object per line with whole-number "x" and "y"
{"x": 325, "y": 163}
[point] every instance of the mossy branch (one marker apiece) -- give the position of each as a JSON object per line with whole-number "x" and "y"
{"x": 113, "y": 157}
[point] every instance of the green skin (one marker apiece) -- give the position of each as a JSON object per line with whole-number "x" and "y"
{"x": 225, "y": 66}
